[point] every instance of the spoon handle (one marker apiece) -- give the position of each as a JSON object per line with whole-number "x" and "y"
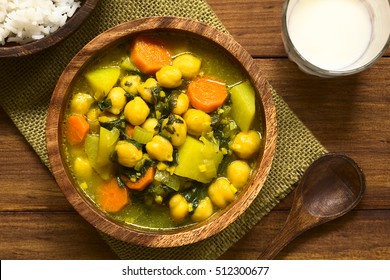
{"x": 286, "y": 234}
{"x": 298, "y": 221}
{"x": 330, "y": 187}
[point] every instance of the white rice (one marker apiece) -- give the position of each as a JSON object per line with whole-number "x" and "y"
{"x": 23, "y": 21}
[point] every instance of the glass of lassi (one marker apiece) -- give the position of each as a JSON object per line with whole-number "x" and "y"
{"x": 331, "y": 38}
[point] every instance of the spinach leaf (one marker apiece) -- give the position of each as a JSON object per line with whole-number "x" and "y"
{"x": 195, "y": 194}
{"x": 104, "y": 104}
{"x": 118, "y": 123}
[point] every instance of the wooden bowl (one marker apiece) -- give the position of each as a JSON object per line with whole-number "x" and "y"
{"x": 73, "y": 23}
{"x": 54, "y": 132}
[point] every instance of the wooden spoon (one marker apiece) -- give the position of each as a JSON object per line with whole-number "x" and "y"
{"x": 330, "y": 187}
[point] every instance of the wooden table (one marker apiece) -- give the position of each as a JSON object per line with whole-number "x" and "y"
{"x": 349, "y": 115}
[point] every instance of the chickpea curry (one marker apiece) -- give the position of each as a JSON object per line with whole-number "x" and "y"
{"x": 162, "y": 131}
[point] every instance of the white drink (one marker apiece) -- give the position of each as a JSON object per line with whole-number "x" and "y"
{"x": 331, "y": 34}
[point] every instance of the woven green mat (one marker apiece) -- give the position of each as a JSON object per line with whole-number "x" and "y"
{"x": 27, "y": 85}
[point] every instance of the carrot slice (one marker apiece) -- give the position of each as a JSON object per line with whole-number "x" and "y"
{"x": 77, "y": 129}
{"x": 111, "y": 197}
{"x": 129, "y": 130}
{"x": 142, "y": 182}
{"x": 206, "y": 94}
{"x": 149, "y": 54}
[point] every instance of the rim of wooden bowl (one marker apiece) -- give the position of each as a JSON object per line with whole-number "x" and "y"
{"x": 135, "y": 235}
{"x": 71, "y": 25}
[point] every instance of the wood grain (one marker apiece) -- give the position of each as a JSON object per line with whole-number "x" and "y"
{"x": 349, "y": 115}
{"x": 332, "y": 186}
{"x": 53, "y": 229}
{"x": 359, "y": 234}
{"x": 254, "y": 24}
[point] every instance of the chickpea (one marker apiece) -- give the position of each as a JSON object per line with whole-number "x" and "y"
{"x": 80, "y": 103}
{"x": 246, "y": 144}
{"x": 160, "y": 149}
{"x": 178, "y": 207}
{"x": 136, "y": 111}
{"x": 82, "y": 168}
{"x": 182, "y": 104}
{"x": 104, "y": 118}
{"x": 176, "y": 128}
{"x": 197, "y": 122}
{"x": 169, "y": 76}
{"x": 238, "y": 173}
{"x": 93, "y": 119}
{"x": 118, "y": 100}
{"x": 93, "y": 113}
{"x": 151, "y": 124}
{"x": 128, "y": 154}
{"x": 145, "y": 90}
{"x": 188, "y": 64}
{"x": 221, "y": 192}
{"x": 130, "y": 83}
{"x": 203, "y": 211}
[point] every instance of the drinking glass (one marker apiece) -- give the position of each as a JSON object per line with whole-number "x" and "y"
{"x": 314, "y": 39}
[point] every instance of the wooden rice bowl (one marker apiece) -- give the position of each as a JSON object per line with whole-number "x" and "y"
{"x": 159, "y": 238}
{"x": 16, "y": 50}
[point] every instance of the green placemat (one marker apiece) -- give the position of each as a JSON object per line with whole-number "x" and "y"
{"x": 27, "y": 84}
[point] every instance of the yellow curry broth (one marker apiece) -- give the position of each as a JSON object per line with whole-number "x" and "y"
{"x": 152, "y": 207}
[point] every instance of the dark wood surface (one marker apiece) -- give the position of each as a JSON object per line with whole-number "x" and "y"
{"x": 349, "y": 115}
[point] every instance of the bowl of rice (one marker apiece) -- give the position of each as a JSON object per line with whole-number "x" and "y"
{"x": 28, "y": 27}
